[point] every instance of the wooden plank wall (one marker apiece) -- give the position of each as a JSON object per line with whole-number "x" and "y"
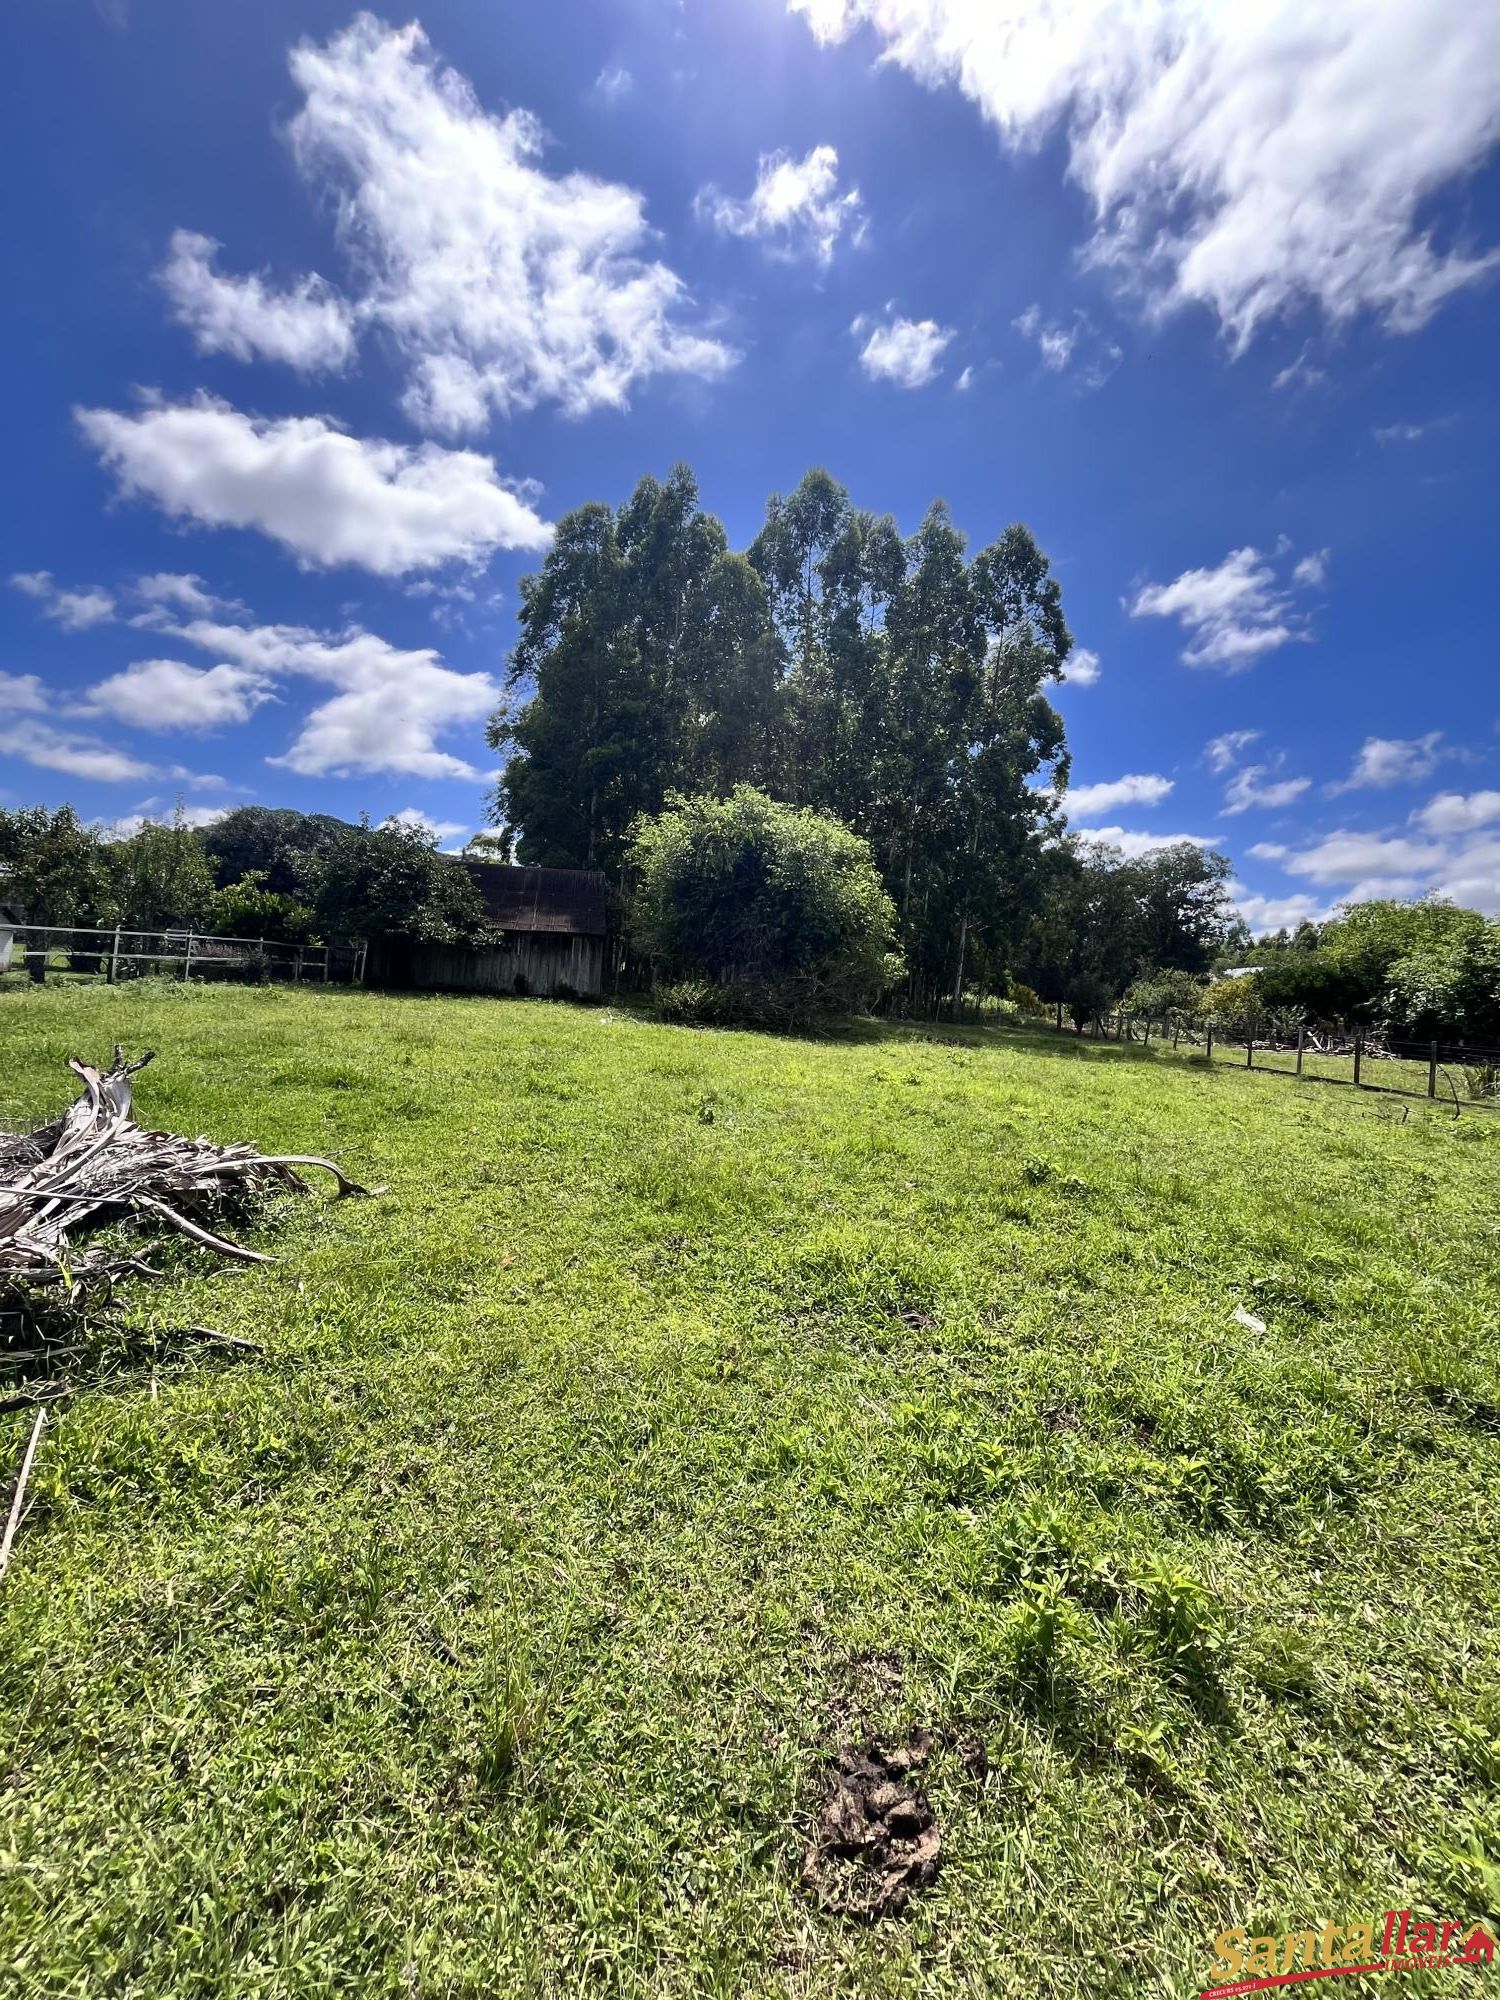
{"x": 543, "y": 960}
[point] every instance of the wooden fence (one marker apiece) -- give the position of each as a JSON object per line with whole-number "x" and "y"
{"x": 1456, "y": 1072}
{"x": 117, "y": 954}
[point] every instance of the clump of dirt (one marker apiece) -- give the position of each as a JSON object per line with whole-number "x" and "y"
{"x": 875, "y": 1841}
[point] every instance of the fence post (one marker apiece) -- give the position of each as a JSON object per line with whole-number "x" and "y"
{"x": 297, "y": 968}
{"x": 1301, "y": 1045}
{"x": 187, "y": 957}
{"x": 1059, "y": 1017}
{"x": 1358, "y": 1045}
{"x": 1176, "y": 1029}
{"x": 1249, "y": 1048}
{"x": 1432, "y": 1071}
{"x": 114, "y": 959}
{"x": 1209, "y": 1053}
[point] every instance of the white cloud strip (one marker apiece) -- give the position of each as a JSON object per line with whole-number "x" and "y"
{"x": 1250, "y": 159}
{"x": 329, "y": 498}
{"x": 166, "y": 695}
{"x": 1234, "y": 613}
{"x": 1136, "y": 789}
{"x": 390, "y": 706}
{"x": 74, "y": 610}
{"x": 310, "y": 327}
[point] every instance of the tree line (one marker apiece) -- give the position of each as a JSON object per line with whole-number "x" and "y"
{"x": 897, "y": 684}
{"x": 260, "y": 872}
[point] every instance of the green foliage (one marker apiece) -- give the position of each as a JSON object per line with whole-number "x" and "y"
{"x": 1103, "y": 921}
{"x": 247, "y": 908}
{"x": 1165, "y": 992}
{"x": 267, "y": 841}
{"x": 1426, "y": 970}
{"x": 55, "y": 868}
{"x": 1235, "y": 1006}
{"x": 1025, "y": 999}
{"x": 161, "y": 878}
{"x": 778, "y": 909}
{"x": 390, "y": 881}
{"x": 897, "y": 685}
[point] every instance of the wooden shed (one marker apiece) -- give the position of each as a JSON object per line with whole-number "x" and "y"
{"x": 554, "y": 936}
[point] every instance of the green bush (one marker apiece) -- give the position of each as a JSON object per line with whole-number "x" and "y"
{"x": 752, "y": 911}
{"x": 1165, "y": 992}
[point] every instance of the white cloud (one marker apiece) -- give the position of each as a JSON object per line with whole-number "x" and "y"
{"x": 1256, "y": 785}
{"x": 907, "y": 352}
{"x": 74, "y": 610}
{"x": 1233, "y": 613}
{"x": 129, "y": 824}
{"x": 1223, "y": 751}
{"x": 1270, "y": 850}
{"x": 1300, "y": 373}
{"x": 328, "y": 497}
{"x": 1399, "y": 433}
{"x": 51, "y": 749}
{"x": 391, "y": 704}
{"x": 965, "y": 382}
{"x": 1462, "y": 863}
{"x": 1253, "y": 160}
{"x": 1276, "y": 913}
{"x": 503, "y": 285}
{"x": 1458, "y": 812}
{"x": 310, "y": 328}
{"x": 795, "y": 207}
{"x": 1136, "y": 789}
{"x": 614, "y": 83}
{"x": 1471, "y": 877}
{"x": 169, "y": 590}
{"x": 166, "y": 694}
{"x": 436, "y": 829}
{"x": 1389, "y": 760}
{"x": 1082, "y": 667}
{"x": 1133, "y": 845}
{"x": 1312, "y": 571}
{"x": 1058, "y": 344}
{"x": 1349, "y": 857}
{"x": 21, "y": 694}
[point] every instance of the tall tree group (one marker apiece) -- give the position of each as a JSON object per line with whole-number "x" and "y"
{"x": 898, "y": 683}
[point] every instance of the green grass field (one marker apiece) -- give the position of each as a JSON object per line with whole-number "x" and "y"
{"x": 696, "y": 1403}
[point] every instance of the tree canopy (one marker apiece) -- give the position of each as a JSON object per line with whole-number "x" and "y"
{"x": 896, "y": 683}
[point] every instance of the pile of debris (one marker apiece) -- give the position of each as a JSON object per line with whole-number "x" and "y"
{"x": 61, "y": 1188}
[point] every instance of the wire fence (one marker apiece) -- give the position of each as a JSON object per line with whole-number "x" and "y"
{"x": 118, "y": 954}
{"x": 1458, "y": 1073}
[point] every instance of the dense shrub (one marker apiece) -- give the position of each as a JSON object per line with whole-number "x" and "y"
{"x": 1165, "y": 992}
{"x": 753, "y": 911}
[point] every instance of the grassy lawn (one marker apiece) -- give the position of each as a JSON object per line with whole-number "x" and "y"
{"x": 696, "y": 1403}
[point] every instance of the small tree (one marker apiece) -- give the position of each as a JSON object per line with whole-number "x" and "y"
{"x": 390, "y": 881}
{"x": 777, "y": 912}
{"x": 162, "y": 877}
{"x": 248, "y": 909}
{"x": 56, "y": 868}
{"x": 1165, "y": 992}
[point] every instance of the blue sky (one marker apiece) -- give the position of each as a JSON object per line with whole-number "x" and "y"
{"x": 316, "y": 320}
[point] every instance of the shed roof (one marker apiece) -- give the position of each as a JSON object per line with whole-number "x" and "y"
{"x": 565, "y": 900}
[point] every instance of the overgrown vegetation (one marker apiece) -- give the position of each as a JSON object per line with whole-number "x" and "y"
{"x": 752, "y": 911}
{"x": 695, "y": 1404}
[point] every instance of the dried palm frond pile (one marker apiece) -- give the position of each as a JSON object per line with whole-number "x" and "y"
{"x": 60, "y": 1190}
